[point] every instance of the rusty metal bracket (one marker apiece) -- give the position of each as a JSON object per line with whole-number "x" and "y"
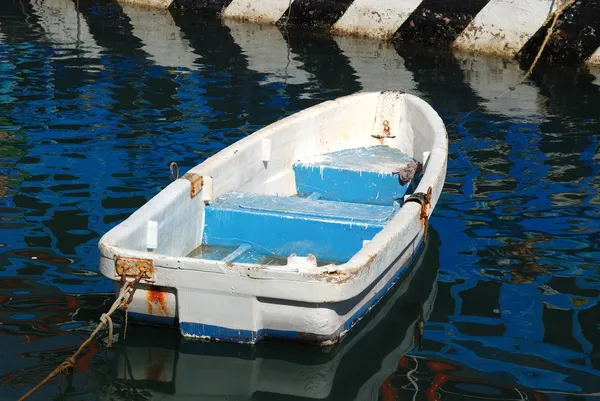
{"x": 197, "y": 182}
{"x": 425, "y": 201}
{"x": 133, "y": 267}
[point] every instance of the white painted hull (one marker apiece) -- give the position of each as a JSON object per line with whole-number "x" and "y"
{"x": 231, "y": 300}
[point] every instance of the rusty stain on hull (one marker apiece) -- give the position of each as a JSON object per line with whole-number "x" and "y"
{"x": 157, "y": 302}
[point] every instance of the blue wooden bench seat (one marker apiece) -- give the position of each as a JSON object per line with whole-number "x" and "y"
{"x": 280, "y": 226}
{"x": 344, "y": 198}
{"x": 361, "y": 175}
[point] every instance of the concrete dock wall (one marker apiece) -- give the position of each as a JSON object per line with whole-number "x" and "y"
{"x": 506, "y": 28}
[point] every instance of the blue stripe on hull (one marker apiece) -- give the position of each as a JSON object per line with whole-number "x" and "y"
{"x": 250, "y": 336}
{"x": 152, "y": 320}
{"x": 233, "y": 335}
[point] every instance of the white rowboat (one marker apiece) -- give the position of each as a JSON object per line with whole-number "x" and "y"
{"x": 293, "y": 232}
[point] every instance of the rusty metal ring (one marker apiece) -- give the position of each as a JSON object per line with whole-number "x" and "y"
{"x": 173, "y": 176}
{"x": 386, "y": 126}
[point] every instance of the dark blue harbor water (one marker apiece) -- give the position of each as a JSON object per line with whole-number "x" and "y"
{"x": 97, "y": 99}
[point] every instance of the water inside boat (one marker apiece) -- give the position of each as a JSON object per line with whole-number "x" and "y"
{"x": 344, "y": 198}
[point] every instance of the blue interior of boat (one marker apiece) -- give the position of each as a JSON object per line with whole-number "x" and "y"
{"x": 344, "y": 198}
{"x": 280, "y": 226}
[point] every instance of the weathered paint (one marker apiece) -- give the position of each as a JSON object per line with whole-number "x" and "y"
{"x": 264, "y": 11}
{"x": 595, "y": 58}
{"x": 370, "y": 175}
{"x": 300, "y": 296}
{"x": 504, "y": 26}
{"x": 438, "y": 22}
{"x": 314, "y": 13}
{"x": 374, "y": 18}
{"x": 160, "y": 4}
{"x": 507, "y": 28}
{"x": 596, "y": 73}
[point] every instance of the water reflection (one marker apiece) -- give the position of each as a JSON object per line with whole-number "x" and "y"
{"x": 377, "y": 65}
{"x": 162, "y": 40}
{"x": 96, "y": 101}
{"x": 66, "y": 29}
{"x": 268, "y": 53}
{"x": 418, "y": 378}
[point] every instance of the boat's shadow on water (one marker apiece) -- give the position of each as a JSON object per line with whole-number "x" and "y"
{"x": 159, "y": 363}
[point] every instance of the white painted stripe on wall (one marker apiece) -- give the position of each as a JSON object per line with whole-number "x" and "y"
{"x": 161, "y": 37}
{"x": 64, "y": 24}
{"x": 263, "y": 11}
{"x": 151, "y": 3}
{"x": 375, "y": 18}
{"x": 504, "y": 26}
{"x": 490, "y": 78}
{"x": 594, "y": 58}
{"x": 595, "y": 71}
{"x": 267, "y": 52}
{"x": 377, "y": 64}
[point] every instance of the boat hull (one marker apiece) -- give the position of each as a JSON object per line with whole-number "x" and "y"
{"x": 323, "y": 323}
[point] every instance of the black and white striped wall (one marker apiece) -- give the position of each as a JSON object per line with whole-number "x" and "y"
{"x": 269, "y": 52}
{"x": 508, "y": 28}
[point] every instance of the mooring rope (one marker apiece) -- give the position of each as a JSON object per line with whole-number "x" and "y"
{"x": 554, "y": 16}
{"x": 105, "y": 318}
